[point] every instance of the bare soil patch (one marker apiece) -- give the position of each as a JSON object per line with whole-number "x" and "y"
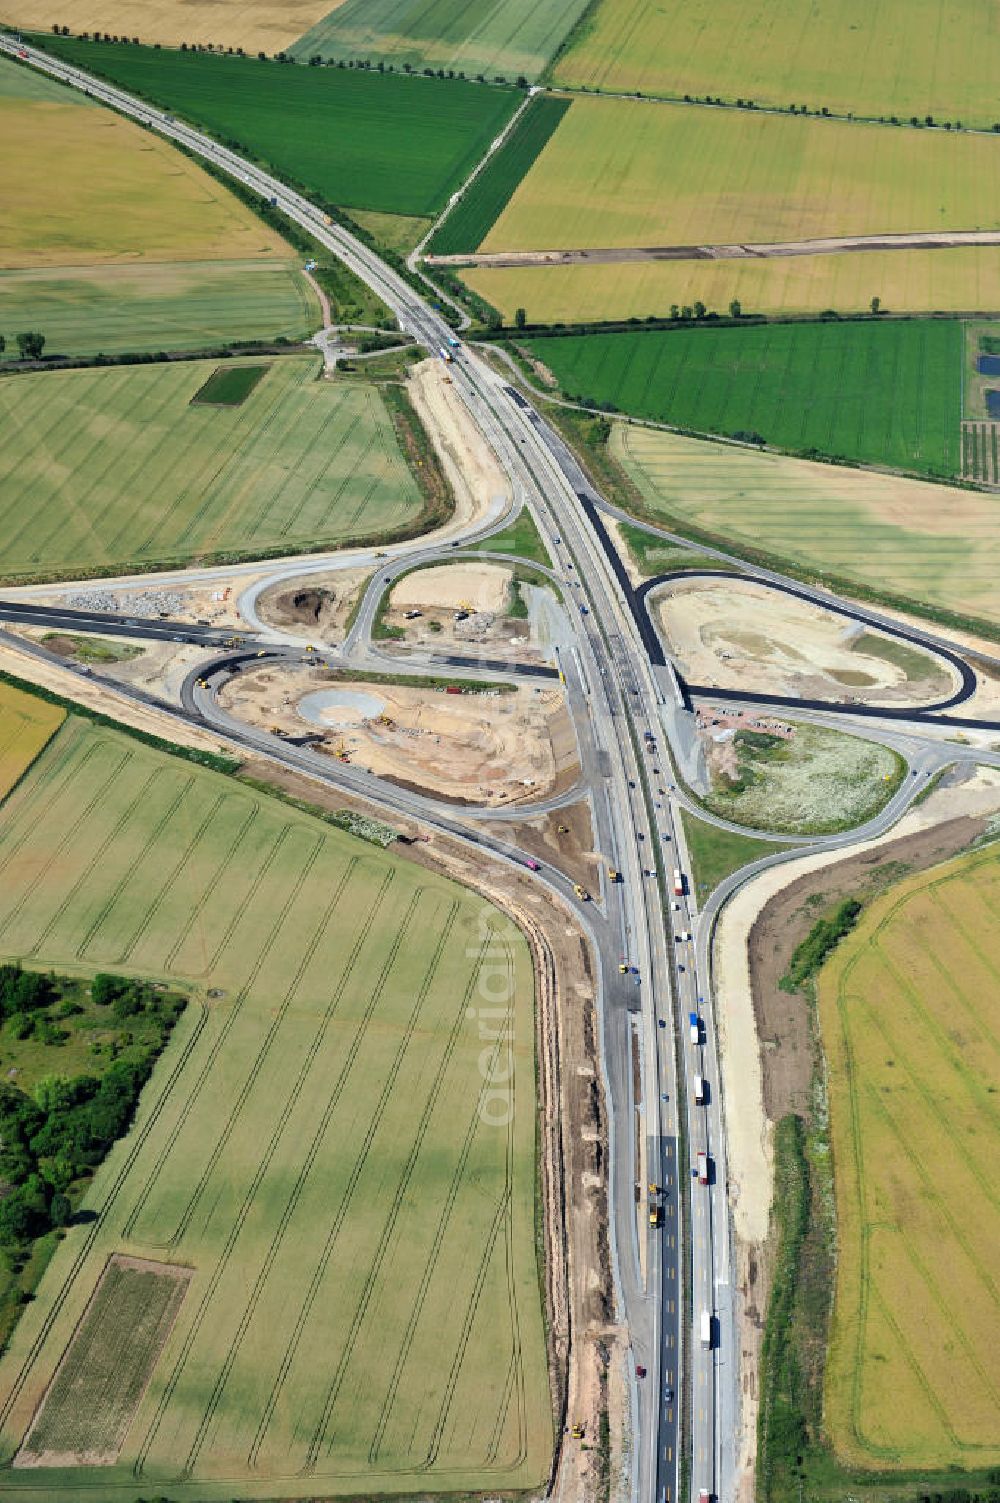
{"x": 319, "y": 604}
{"x": 736, "y": 634}
{"x": 564, "y": 839}
{"x": 474, "y": 748}
{"x": 86, "y": 1411}
{"x": 465, "y": 586}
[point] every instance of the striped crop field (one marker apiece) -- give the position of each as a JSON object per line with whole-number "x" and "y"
{"x": 931, "y": 544}
{"x": 625, "y": 172}
{"x": 910, "y": 1016}
{"x": 26, "y": 725}
{"x": 917, "y": 57}
{"x": 119, "y": 467}
{"x": 879, "y": 393}
{"x": 469, "y": 36}
{"x": 165, "y": 305}
{"x": 336, "y": 1150}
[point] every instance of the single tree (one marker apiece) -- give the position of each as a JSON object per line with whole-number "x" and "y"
{"x": 31, "y": 345}
{"x": 735, "y": 310}
{"x": 876, "y": 304}
{"x": 699, "y": 309}
{"x": 675, "y": 312}
{"x": 520, "y": 318}
{"x": 3, "y": 344}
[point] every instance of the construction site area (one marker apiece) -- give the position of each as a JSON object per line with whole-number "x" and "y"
{"x": 488, "y": 745}
{"x": 738, "y": 634}
{"x": 471, "y": 604}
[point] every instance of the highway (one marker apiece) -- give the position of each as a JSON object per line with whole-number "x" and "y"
{"x": 621, "y": 693}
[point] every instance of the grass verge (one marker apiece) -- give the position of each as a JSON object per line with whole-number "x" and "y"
{"x": 716, "y": 854}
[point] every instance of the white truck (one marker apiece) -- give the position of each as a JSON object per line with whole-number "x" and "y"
{"x": 699, "y": 1090}
{"x": 706, "y": 1328}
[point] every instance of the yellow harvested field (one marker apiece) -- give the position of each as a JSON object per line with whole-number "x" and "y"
{"x": 934, "y": 543}
{"x": 966, "y": 280}
{"x": 900, "y": 57}
{"x": 90, "y": 187}
{"x": 624, "y": 172}
{"x": 26, "y": 725}
{"x": 254, "y": 25}
{"x": 910, "y": 1016}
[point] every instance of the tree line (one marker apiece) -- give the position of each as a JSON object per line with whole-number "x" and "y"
{"x": 53, "y": 1138}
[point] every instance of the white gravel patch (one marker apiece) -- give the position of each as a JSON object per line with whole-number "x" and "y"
{"x": 339, "y": 707}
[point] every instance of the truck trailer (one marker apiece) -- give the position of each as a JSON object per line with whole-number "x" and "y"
{"x": 678, "y": 883}
{"x": 699, "y": 1090}
{"x": 706, "y": 1328}
{"x": 702, "y": 1167}
{"x": 694, "y": 1023}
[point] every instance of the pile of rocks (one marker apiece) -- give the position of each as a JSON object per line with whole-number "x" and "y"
{"x": 144, "y": 603}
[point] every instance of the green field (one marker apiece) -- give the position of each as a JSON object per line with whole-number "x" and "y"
{"x": 175, "y": 305}
{"x": 357, "y": 139}
{"x": 716, "y": 854}
{"x": 910, "y": 1011}
{"x": 336, "y": 1142}
{"x": 230, "y": 385}
{"x": 873, "y": 533}
{"x": 478, "y": 210}
{"x": 902, "y": 57}
{"x": 118, "y": 468}
{"x": 469, "y": 36}
{"x": 879, "y": 393}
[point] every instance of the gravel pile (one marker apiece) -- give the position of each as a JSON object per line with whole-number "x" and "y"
{"x": 144, "y": 604}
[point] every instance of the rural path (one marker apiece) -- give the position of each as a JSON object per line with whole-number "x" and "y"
{"x": 827, "y": 245}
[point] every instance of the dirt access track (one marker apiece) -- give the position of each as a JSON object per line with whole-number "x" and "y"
{"x": 468, "y": 748}
{"x": 734, "y": 633}
{"x": 827, "y": 245}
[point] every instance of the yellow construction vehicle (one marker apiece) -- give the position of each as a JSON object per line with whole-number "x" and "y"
{"x": 654, "y": 1215}
{"x": 310, "y": 647}
{"x": 614, "y": 875}
{"x": 579, "y": 1431}
{"x": 653, "y": 1189}
{"x": 562, "y": 829}
{"x": 581, "y": 893}
{"x": 623, "y": 969}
